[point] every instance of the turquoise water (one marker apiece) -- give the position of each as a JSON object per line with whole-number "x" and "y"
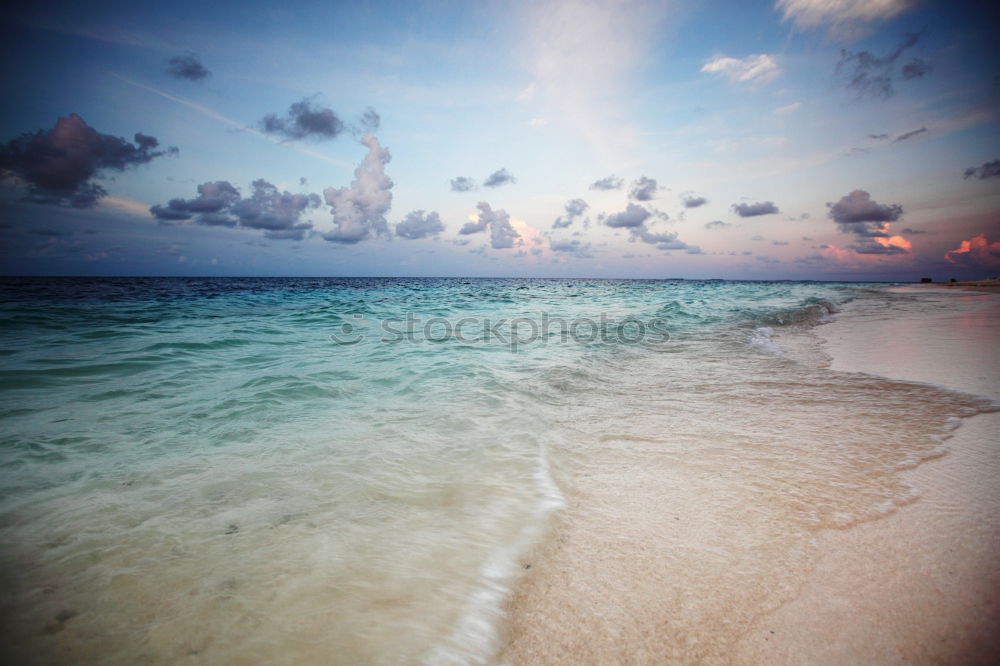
{"x": 276, "y": 471}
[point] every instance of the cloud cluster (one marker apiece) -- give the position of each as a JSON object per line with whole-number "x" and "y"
{"x": 869, "y": 221}
{"x": 977, "y": 252}
{"x": 497, "y": 222}
{"x": 304, "y": 120}
{"x": 58, "y": 165}
{"x": 187, "y": 67}
{"x": 418, "y": 225}
{"x": 498, "y": 178}
{"x": 987, "y": 170}
{"x": 611, "y": 182}
{"x": 755, "y": 209}
{"x": 643, "y": 189}
{"x": 759, "y": 68}
{"x": 219, "y": 204}
{"x": 874, "y": 76}
{"x": 574, "y": 208}
{"x": 634, "y": 218}
{"x": 359, "y": 210}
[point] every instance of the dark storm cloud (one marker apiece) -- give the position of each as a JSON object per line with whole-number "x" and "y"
{"x": 857, "y": 213}
{"x": 643, "y": 189}
{"x": 987, "y": 170}
{"x": 869, "y": 221}
{"x": 304, "y": 120}
{"x": 187, "y": 67}
{"x": 691, "y": 201}
{"x": 574, "y": 208}
{"x": 871, "y": 75}
{"x": 462, "y": 184}
{"x": 612, "y": 182}
{"x": 57, "y": 165}
{"x": 502, "y": 233}
{"x": 219, "y": 204}
{"x": 418, "y": 225}
{"x": 909, "y": 135}
{"x": 498, "y": 178}
{"x": 755, "y": 209}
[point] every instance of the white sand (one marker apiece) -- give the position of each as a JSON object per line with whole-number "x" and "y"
{"x": 661, "y": 561}
{"x": 922, "y": 585}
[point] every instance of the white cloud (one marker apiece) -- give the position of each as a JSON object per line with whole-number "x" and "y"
{"x": 788, "y": 109}
{"x": 844, "y": 18}
{"x": 759, "y": 68}
{"x": 583, "y": 56}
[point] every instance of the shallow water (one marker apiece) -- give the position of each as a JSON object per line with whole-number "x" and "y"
{"x": 196, "y": 470}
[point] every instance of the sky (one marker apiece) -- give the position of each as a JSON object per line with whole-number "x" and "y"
{"x": 797, "y": 139}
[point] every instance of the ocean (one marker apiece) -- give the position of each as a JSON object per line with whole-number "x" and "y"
{"x": 257, "y": 470}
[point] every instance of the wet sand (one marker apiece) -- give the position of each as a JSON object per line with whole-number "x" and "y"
{"x": 922, "y": 585}
{"x": 682, "y": 580}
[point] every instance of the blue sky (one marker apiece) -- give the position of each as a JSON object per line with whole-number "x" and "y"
{"x": 845, "y": 139}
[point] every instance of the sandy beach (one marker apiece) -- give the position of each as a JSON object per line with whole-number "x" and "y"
{"x": 683, "y": 580}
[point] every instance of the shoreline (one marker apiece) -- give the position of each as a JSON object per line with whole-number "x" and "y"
{"x": 907, "y": 586}
{"x": 923, "y": 584}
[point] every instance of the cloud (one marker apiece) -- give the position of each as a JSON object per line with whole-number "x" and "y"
{"x": 498, "y": 178}
{"x": 371, "y": 122}
{"x": 417, "y": 225}
{"x": 502, "y": 233}
{"x": 755, "y": 209}
{"x": 987, "y": 170}
{"x": 759, "y": 68}
{"x": 573, "y": 246}
{"x": 643, "y": 189}
{"x": 359, "y": 210}
{"x": 878, "y": 137}
{"x": 612, "y": 182}
{"x": 977, "y": 252}
{"x": 632, "y": 217}
{"x": 909, "y": 135}
{"x": 794, "y": 106}
{"x": 717, "y": 224}
{"x": 691, "y": 201}
{"x": 843, "y": 18}
{"x": 462, "y": 184}
{"x": 910, "y": 231}
{"x": 869, "y": 221}
{"x": 304, "y": 120}
{"x": 574, "y": 208}
{"x": 58, "y": 165}
{"x": 916, "y": 68}
{"x": 873, "y": 76}
{"x": 187, "y": 67}
{"x": 219, "y": 204}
